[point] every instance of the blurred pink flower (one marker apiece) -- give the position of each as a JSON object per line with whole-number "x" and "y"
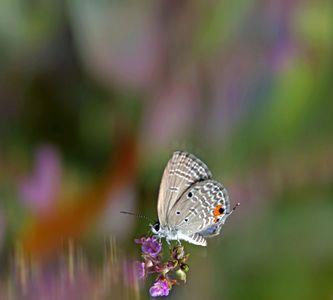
{"x": 139, "y": 269}
{"x": 172, "y": 112}
{"x": 279, "y": 26}
{"x": 55, "y": 283}
{"x": 39, "y": 189}
{"x": 131, "y": 56}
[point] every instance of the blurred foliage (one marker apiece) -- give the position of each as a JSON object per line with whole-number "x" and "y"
{"x": 112, "y": 88}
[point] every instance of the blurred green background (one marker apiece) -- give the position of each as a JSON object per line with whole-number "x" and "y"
{"x": 96, "y": 95}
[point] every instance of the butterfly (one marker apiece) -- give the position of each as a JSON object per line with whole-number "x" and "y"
{"x": 191, "y": 205}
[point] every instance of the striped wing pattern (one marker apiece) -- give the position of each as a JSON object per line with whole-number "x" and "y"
{"x": 197, "y": 239}
{"x": 182, "y": 171}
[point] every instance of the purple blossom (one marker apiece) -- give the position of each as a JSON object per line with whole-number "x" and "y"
{"x": 139, "y": 269}
{"x": 161, "y": 287}
{"x": 39, "y": 189}
{"x": 168, "y": 272}
{"x": 150, "y": 246}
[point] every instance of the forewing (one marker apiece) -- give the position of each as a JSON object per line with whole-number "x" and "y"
{"x": 195, "y": 211}
{"x": 182, "y": 171}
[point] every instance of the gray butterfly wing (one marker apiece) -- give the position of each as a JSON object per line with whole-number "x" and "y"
{"x": 182, "y": 171}
{"x": 201, "y": 211}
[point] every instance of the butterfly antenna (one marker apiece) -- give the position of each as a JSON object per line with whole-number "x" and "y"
{"x": 234, "y": 208}
{"x": 136, "y": 215}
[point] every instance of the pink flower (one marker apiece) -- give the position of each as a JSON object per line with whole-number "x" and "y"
{"x": 161, "y": 287}
{"x": 150, "y": 246}
{"x": 168, "y": 272}
{"x": 39, "y": 189}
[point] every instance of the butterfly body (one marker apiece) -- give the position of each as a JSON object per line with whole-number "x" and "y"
{"x": 191, "y": 205}
{"x": 172, "y": 234}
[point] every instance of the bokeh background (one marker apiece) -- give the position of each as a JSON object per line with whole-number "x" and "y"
{"x": 96, "y": 95}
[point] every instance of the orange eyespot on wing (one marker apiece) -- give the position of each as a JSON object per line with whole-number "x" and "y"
{"x": 218, "y": 210}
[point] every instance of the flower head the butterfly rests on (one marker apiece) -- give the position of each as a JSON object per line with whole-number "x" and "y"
{"x": 168, "y": 273}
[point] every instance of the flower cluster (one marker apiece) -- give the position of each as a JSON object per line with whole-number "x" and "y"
{"x": 168, "y": 272}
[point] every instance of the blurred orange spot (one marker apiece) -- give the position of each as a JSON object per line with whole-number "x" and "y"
{"x": 48, "y": 233}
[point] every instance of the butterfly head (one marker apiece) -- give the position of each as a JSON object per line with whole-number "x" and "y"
{"x": 155, "y": 228}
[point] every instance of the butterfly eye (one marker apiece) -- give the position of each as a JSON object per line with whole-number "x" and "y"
{"x": 157, "y": 226}
{"x": 177, "y": 212}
